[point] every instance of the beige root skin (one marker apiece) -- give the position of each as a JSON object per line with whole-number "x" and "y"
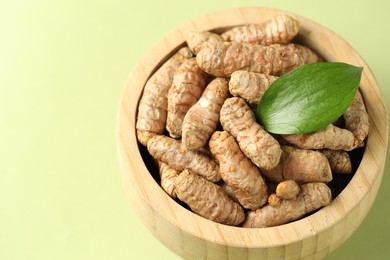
{"x": 198, "y": 40}
{"x": 187, "y": 87}
{"x": 229, "y": 190}
{"x": 356, "y": 118}
{"x": 330, "y": 137}
{"x": 311, "y": 197}
{"x": 308, "y": 55}
{"x": 249, "y": 85}
{"x": 287, "y": 190}
{"x": 339, "y": 161}
{"x": 279, "y": 29}
{"x": 300, "y": 165}
{"x": 259, "y": 146}
{"x": 238, "y": 171}
{"x": 221, "y": 59}
{"x": 168, "y": 176}
{"x": 171, "y": 152}
{"x": 152, "y": 108}
{"x": 208, "y": 199}
{"x": 202, "y": 118}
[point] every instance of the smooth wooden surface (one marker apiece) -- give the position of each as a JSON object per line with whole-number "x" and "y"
{"x": 191, "y": 236}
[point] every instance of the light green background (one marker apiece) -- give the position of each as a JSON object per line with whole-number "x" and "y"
{"x": 63, "y": 65}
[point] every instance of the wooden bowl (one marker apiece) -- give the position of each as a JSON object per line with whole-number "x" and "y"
{"x": 191, "y": 236}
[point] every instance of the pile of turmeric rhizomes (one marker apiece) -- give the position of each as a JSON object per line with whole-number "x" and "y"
{"x": 217, "y": 158}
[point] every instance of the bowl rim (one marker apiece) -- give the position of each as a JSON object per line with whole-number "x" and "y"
{"x": 147, "y": 190}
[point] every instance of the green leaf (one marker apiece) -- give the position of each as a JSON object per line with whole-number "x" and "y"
{"x": 308, "y": 98}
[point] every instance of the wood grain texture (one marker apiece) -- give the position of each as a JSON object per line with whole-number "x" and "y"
{"x": 191, "y": 236}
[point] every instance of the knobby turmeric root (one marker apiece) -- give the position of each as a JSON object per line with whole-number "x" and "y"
{"x": 339, "y": 161}
{"x": 356, "y": 118}
{"x": 208, "y": 199}
{"x": 311, "y": 197}
{"x": 198, "y": 40}
{"x": 229, "y": 190}
{"x": 221, "y": 59}
{"x": 168, "y": 176}
{"x": 279, "y": 29}
{"x": 287, "y": 190}
{"x": 202, "y": 118}
{"x": 152, "y": 108}
{"x": 300, "y": 165}
{"x": 249, "y": 85}
{"x": 308, "y": 55}
{"x": 274, "y": 200}
{"x": 171, "y": 152}
{"x": 259, "y": 146}
{"x": 330, "y": 137}
{"x": 187, "y": 87}
{"x": 238, "y": 171}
